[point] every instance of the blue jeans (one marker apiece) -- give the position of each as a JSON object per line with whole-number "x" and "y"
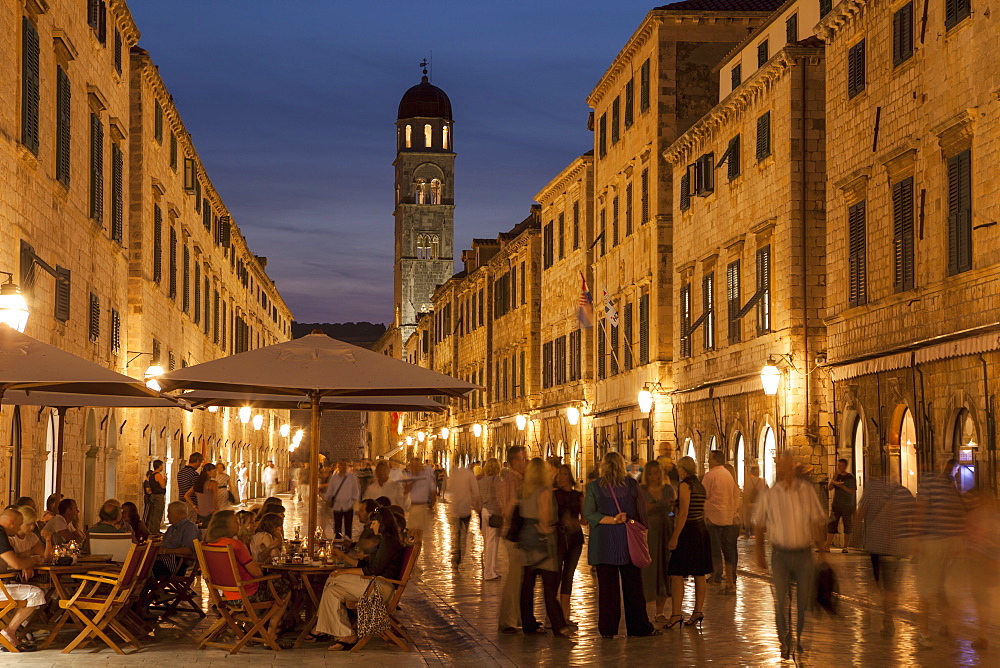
{"x": 724, "y": 539}
{"x": 461, "y": 535}
{"x": 789, "y": 566}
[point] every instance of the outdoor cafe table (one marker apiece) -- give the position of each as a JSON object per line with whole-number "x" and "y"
{"x": 56, "y": 589}
{"x": 310, "y": 602}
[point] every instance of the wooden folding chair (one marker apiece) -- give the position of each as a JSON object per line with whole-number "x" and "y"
{"x": 98, "y": 611}
{"x": 181, "y": 587}
{"x": 248, "y": 621}
{"x": 9, "y": 606}
{"x": 115, "y": 544}
{"x": 396, "y": 634}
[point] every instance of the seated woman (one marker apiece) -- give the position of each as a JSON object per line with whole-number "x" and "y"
{"x": 347, "y": 584}
{"x": 222, "y": 529}
{"x": 267, "y": 541}
{"x": 269, "y": 508}
{"x": 26, "y": 542}
{"x": 133, "y": 522}
{"x": 367, "y": 541}
{"x": 247, "y": 521}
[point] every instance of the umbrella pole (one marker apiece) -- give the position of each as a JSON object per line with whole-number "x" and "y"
{"x": 60, "y": 442}
{"x": 313, "y": 468}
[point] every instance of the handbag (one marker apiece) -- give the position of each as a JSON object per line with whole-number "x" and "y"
{"x": 638, "y": 548}
{"x": 373, "y": 618}
{"x": 495, "y": 521}
{"x": 516, "y": 524}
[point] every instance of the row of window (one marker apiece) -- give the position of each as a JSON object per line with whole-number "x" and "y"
{"x": 506, "y": 294}
{"x": 699, "y": 179}
{"x": 959, "y": 227}
{"x": 615, "y": 348}
{"x": 562, "y": 360}
{"x": 620, "y": 231}
{"x": 760, "y": 302}
{"x": 624, "y": 100}
{"x": 554, "y": 236}
{"x": 428, "y": 246}
{"x": 428, "y": 137}
{"x": 508, "y": 380}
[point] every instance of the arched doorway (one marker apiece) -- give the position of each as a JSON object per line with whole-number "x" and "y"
{"x": 903, "y": 466}
{"x": 966, "y": 443}
{"x": 577, "y": 461}
{"x": 689, "y": 449}
{"x": 111, "y": 465}
{"x": 858, "y": 454}
{"x": 768, "y": 450}
{"x": 740, "y": 460}
{"x": 51, "y": 436}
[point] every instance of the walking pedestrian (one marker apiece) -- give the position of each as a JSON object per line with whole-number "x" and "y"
{"x": 612, "y": 500}
{"x": 364, "y": 475}
{"x": 983, "y": 559}
{"x": 844, "y": 486}
{"x": 384, "y": 485}
{"x": 463, "y": 491}
{"x": 886, "y": 515}
{"x": 790, "y": 516}
{"x": 186, "y": 478}
{"x": 510, "y": 492}
{"x": 270, "y": 479}
{"x": 660, "y": 504}
{"x": 752, "y": 488}
{"x": 341, "y": 493}
{"x": 243, "y": 482}
{"x": 222, "y": 480}
{"x": 491, "y": 518}
{"x": 421, "y": 488}
{"x": 690, "y": 546}
{"x": 942, "y": 527}
{"x": 155, "y": 497}
{"x": 537, "y": 542}
{"x": 722, "y": 501}
{"x": 569, "y": 534}
{"x": 203, "y": 493}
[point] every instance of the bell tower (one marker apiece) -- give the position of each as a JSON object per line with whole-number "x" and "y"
{"x": 425, "y": 201}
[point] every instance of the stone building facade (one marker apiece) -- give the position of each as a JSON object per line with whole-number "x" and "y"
{"x": 912, "y": 248}
{"x": 749, "y": 261}
{"x": 118, "y": 261}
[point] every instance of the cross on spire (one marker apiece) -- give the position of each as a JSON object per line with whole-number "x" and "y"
{"x": 424, "y": 64}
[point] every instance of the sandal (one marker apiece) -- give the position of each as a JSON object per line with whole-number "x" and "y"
{"x": 23, "y": 647}
{"x": 341, "y": 646}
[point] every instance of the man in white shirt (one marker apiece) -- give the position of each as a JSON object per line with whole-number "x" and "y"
{"x": 243, "y": 481}
{"x": 383, "y": 486}
{"x": 341, "y": 492}
{"x": 790, "y": 516}
{"x": 722, "y": 501}
{"x": 463, "y": 490}
{"x": 270, "y": 479}
{"x": 422, "y": 492}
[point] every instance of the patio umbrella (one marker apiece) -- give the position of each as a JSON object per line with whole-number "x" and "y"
{"x": 204, "y": 398}
{"x": 314, "y": 366}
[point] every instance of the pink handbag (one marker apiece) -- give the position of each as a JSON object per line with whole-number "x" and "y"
{"x": 638, "y": 547}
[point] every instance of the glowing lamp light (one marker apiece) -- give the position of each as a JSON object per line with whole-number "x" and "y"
{"x": 258, "y": 421}
{"x": 521, "y": 422}
{"x": 645, "y": 401}
{"x": 421, "y": 436}
{"x": 13, "y": 307}
{"x": 284, "y": 430}
{"x": 770, "y": 376}
{"x": 245, "y": 414}
{"x": 150, "y": 375}
{"x": 409, "y": 440}
{"x": 477, "y": 430}
{"x": 573, "y": 415}
{"x": 445, "y": 432}
{"x": 213, "y": 409}
{"x": 399, "y": 426}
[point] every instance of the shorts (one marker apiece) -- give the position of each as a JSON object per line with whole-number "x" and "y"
{"x": 934, "y": 560}
{"x": 836, "y": 514}
{"x": 21, "y": 592}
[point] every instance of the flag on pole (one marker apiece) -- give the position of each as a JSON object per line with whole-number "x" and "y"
{"x": 610, "y": 312}
{"x": 586, "y": 310}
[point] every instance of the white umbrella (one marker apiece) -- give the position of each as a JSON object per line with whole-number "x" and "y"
{"x": 314, "y": 366}
{"x": 203, "y": 398}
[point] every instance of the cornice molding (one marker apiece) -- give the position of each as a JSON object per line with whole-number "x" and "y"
{"x": 565, "y": 177}
{"x": 839, "y": 18}
{"x": 635, "y": 42}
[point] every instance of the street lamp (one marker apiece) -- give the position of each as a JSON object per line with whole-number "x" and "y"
{"x": 645, "y": 401}
{"x": 213, "y": 409}
{"x": 409, "y": 440}
{"x": 445, "y": 432}
{"x": 770, "y": 377}
{"x": 284, "y": 430}
{"x": 13, "y": 307}
{"x": 245, "y": 414}
{"x": 150, "y": 375}
{"x": 573, "y": 415}
{"x": 477, "y": 430}
{"x": 421, "y": 436}
{"x": 521, "y": 421}
{"x": 258, "y": 421}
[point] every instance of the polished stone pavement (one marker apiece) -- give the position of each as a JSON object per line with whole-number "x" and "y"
{"x": 452, "y": 613}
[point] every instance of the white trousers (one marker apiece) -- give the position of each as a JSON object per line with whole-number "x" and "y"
{"x": 491, "y": 544}
{"x": 272, "y": 489}
{"x": 21, "y": 592}
{"x": 332, "y": 618}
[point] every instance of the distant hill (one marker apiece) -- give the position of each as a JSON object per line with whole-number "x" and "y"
{"x": 363, "y": 334}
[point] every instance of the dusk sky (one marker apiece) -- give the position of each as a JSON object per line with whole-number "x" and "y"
{"x": 292, "y": 108}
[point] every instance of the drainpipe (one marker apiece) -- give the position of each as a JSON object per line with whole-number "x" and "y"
{"x": 803, "y": 210}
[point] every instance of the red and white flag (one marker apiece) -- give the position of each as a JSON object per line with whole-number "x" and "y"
{"x": 586, "y": 310}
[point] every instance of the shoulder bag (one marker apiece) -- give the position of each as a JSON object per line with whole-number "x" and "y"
{"x": 638, "y": 548}
{"x": 373, "y": 618}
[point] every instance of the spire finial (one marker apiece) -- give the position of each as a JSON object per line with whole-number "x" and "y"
{"x": 424, "y": 64}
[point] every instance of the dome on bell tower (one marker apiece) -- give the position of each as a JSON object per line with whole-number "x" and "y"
{"x": 425, "y": 100}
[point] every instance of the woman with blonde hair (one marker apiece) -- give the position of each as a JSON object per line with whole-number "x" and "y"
{"x": 690, "y": 546}
{"x": 538, "y": 544}
{"x": 491, "y": 519}
{"x": 612, "y": 500}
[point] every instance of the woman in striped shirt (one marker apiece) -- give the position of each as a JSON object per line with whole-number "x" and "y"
{"x": 690, "y": 546}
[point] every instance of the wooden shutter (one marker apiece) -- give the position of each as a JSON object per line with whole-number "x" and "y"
{"x": 520, "y": 376}
{"x": 173, "y": 151}
{"x": 197, "y": 293}
{"x": 644, "y": 86}
{"x": 172, "y": 268}
{"x": 764, "y": 289}
{"x": 644, "y": 329}
{"x": 603, "y": 134}
{"x": 95, "y": 317}
{"x": 614, "y": 349}
{"x": 616, "y": 120}
{"x": 600, "y": 352}
{"x": 629, "y": 103}
{"x": 704, "y": 175}
{"x": 902, "y": 234}
{"x": 207, "y": 322}
{"x": 158, "y": 121}
{"x": 733, "y": 299}
{"x": 118, "y": 51}
{"x": 96, "y": 169}
{"x": 736, "y": 76}
{"x": 824, "y": 7}
{"x": 902, "y": 34}
{"x": 63, "y": 98}
{"x": 562, "y": 236}
{"x": 206, "y": 215}
{"x": 225, "y": 231}
{"x": 792, "y": 28}
{"x": 959, "y": 213}
{"x": 157, "y": 243}
{"x": 856, "y": 69}
{"x": 733, "y": 161}
{"x": 685, "y": 198}
{"x": 614, "y": 221}
{"x": 955, "y": 11}
{"x": 29, "y": 85}
{"x": 186, "y": 281}
{"x": 547, "y": 365}
{"x": 762, "y": 53}
{"x": 628, "y": 208}
{"x": 117, "y": 193}
{"x": 857, "y": 260}
{"x": 94, "y": 13}
{"x": 63, "y": 283}
{"x": 116, "y": 332}
{"x": 708, "y": 308}
{"x": 627, "y": 350}
{"x": 763, "y": 136}
{"x": 685, "y": 320}
{"x": 576, "y": 225}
